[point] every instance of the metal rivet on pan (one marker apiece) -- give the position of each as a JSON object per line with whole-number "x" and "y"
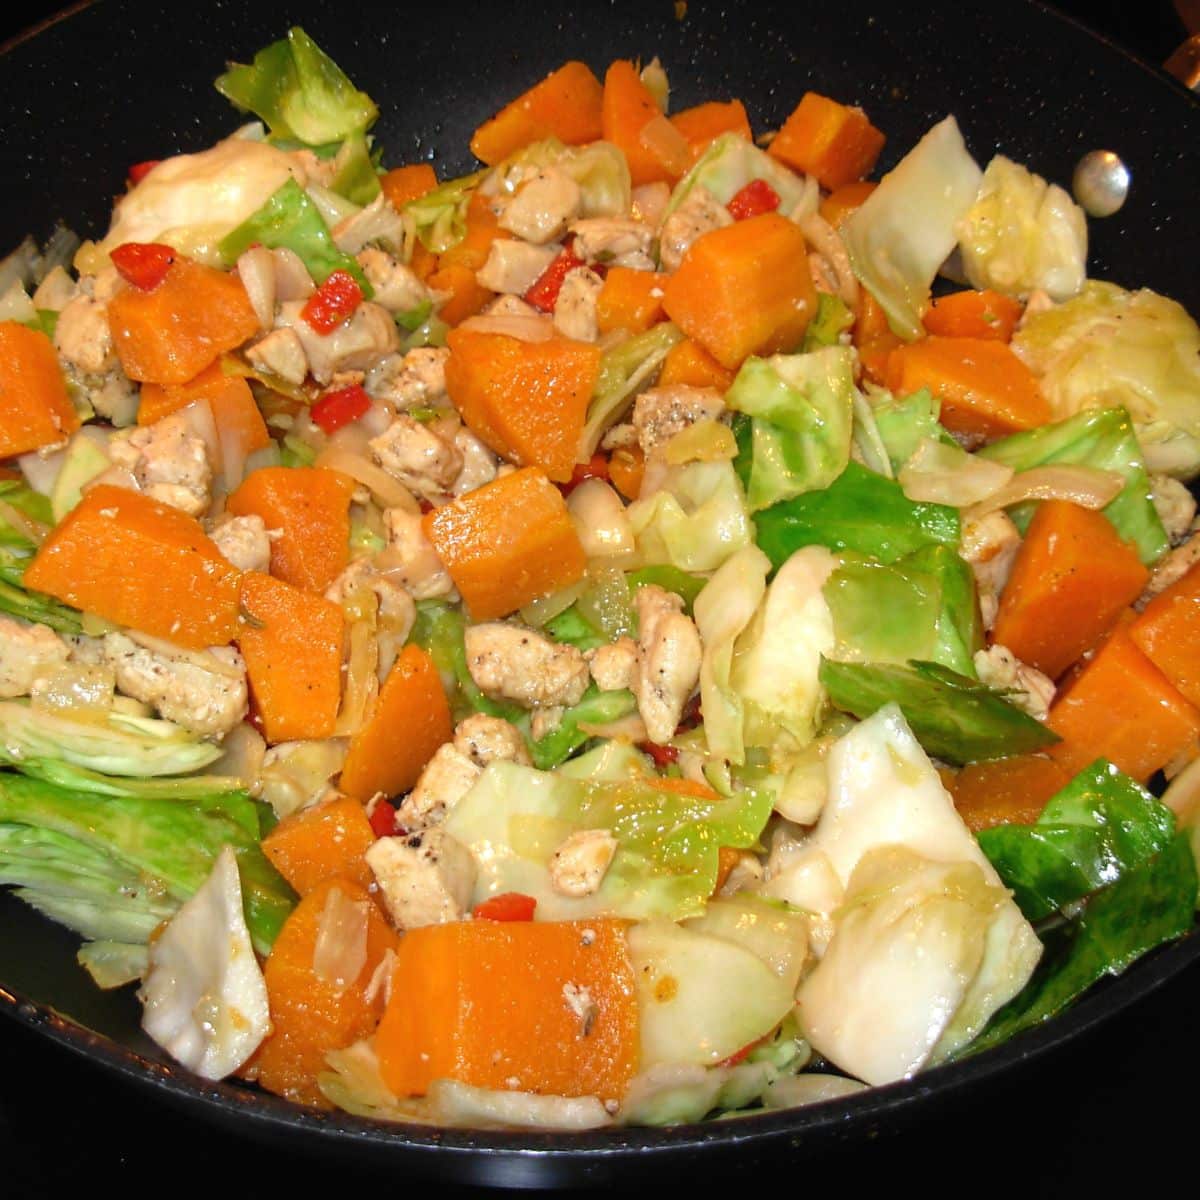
{"x": 1101, "y": 183}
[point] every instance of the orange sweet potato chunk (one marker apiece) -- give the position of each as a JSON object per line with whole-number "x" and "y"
{"x": 310, "y": 507}
{"x": 170, "y": 334}
{"x": 507, "y": 543}
{"x": 402, "y": 184}
{"x": 1006, "y": 791}
{"x": 482, "y": 1002}
{"x": 311, "y": 1014}
{"x": 689, "y": 363}
{"x": 456, "y": 268}
{"x": 35, "y": 410}
{"x": 527, "y": 400}
{"x": 139, "y": 563}
{"x": 1168, "y": 633}
{"x": 292, "y": 643}
{"x": 233, "y": 408}
{"x": 699, "y": 125}
{"x": 566, "y": 105}
{"x": 411, "y": 720}
{"x": 629, "y": 300}
{"x": 839, "y": 204}
{"x": 744, "y": 289}
{"x": 831, "y": 141}
{"x": 322, "y": 842}
{"x": 627, "y": 109}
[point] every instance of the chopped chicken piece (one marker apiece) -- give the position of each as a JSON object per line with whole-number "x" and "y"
{"x": 357, "y": 344}
{"x": 662, "y": 412}
{"x": 669, "y": 652}
{"x": 1172, "y": 568}
{"x": 169, "y": 462}
{"x": 543, "y": 207}
{"x": 1175, "y": 505}
{"x": 614, "y": 666}
{"x": 578, "y": 866}
{"x": 990, "y": 545}
{"x": 421, "y": 460}
{"x": 411, "y": 559}
{"x": 280, "y": 353}
{"x": 479, "y": 463}
{"x": 203, "y": 691}
{"x": 619, "y": 437}
{"x": 649, "y": 201}
{"x": 113, "y": 394}
{"x": 397, "y": 287}
{"x": 448, "y": 776}
{"x": 426, "y": 878}
{"x": 487, "y": 740}
{"x": 615, "y": 242}
{"x": 396, "y": 608}
{"x": 378, "y": 222}
{"x": 407, "y": 380}
{"x": 575, "y": 308}
{"x": 512, "y": 662}
{"x": 509, "y": 306}
{"x": 83, "y": 337}
{"x": 514, "y": 266}
{"x": 1027, "y": 688}
{"x": 699, "y": 214}
{"x": 244, "y": 541}
{"x": 292, "y": 280}
{"x": 544, "y": 721}
{"x": 27, "y": 653}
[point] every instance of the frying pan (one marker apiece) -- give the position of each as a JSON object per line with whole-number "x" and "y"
{"x": 118, "y": 83}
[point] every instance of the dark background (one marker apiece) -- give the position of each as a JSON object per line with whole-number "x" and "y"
{"x": 1117, "y": 1106}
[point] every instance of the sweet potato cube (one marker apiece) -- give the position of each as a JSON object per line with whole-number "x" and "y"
{"x": 629, "y": 300}
{"x": 835, "y": 143}
{"x": 489, "y": 1003}
{"x": 292, "y": 643}
{"x": 1168, "y": 634}
{"x": 35, "y": 410}
{"x": 688, "y": 362}
{"x": 507, "y": 543}
{"x": 1006, "y": 791}
{"x": 402, "y": 184}
{"x": 411, "y": 720}
{"x": 321, "y": 842}
{"x": 140, "y": 563}
{"x": 626, "y": 110}
{"x": 310, "y": 507}
{"x": 234, "y": 411}
{"x": 744, "y": 289}
{"x": 701, "y": 124}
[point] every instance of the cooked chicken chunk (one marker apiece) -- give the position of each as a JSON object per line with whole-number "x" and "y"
{"x": 424, "y": 462}
{"x": 203, "y": 691}
{"x": 1027, "y": 687}
{"x": 619, "y": 243}
{"x": 578, "y": 866}
{"x": 83, "y": 337}
{"x": 378, "y": 222}
{"x": 448, "y": 776}
{"x": 396, "y": 286}
{"x": 394, "y": 603}
{"x": 426, "y": 878}
{"x": 512, "y": 662}
{"x": 27, "y": 653}
{"x": 280, "y": 353}
{"x": 699, "y": 214}
{"x": 486, "y": 740}
{"x": 411, "y": 559}
{"x": 1172, "y": 568}
{"x": 990, "y": 545}
{"x": 614, "y": 666}
{"x": 168, "y": 461}
{"x": 514, "y": 266}
{"x": 356, "y": 345}
{"x": 479, "y": 463}
{"x": 575, "y": 308}
{"x": 1175, "y": 505}
{"x": 244, "y": 541}
{"x": 543, "y": 207}
{"x": 669, "y": 652}
{"x": 662, "y": 412}
{"x": 407, "y": 380}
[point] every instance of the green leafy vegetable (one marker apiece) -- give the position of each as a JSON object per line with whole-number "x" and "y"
{"x": 355, "y": 176}
{"x": 16, "y": 552}
{"x": 955, "y": 718}
{"x": 299, "y": 91}
{"x": 596, "y": 708}
{"x": 599, "y": 169}
{"x": 574, "y": 629}
{"x": 440, "y": 215}
{"x": 832, "y": 319}
{"x": 905, "y": 422}
{"x": 671, "y": 579}
{"x": 859, "y": 511}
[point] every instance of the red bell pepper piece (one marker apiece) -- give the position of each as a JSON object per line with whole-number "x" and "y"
{"x": 143, "y": 264}
{"x": 332, "y": 302}
{"x": 596, "y": 467}
{"x": 661, "y": 756}
{"x": 139, "y": 171}
{"x": 756, "y": 198}
{"x": 543, "y": 295}
{"x": 508, "y": 906}
{"x": 338, "y": 408}
{"x": 383, "y": 819}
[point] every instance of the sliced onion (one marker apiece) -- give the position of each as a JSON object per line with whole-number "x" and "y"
{"x": 795, "y": 1090}
{"x": 938, "y": 473}
{"x": 600, "y": 521}
{"x": 650, "y": 202}
{"x": 198, "y": 419}
{"x": 202, "y": 660}
{"x": 35, "y": 531}
{"x": 256, "y": 270}
{"x": 15, "y": 305}
{"x": 242, "y": 754}
{"x": 41, "y": 470}
{"x": 340, "y": 951}
{"x": 1183, "y": 795}
{"x": 1088, "y": 487}
{"x": 362, "y": 679}
{"x": 828, "y": 242}
{"x": 524, "y": 329}
{"x": 389, "y": 492}
{"x": 630, "y": 729}
{"x": 538, "y": 612}
{"x": 377, "y": 418}
{"x": 667, "y": 144}
{"x": 702, "y": 441}
{"x": 808, "y": 203}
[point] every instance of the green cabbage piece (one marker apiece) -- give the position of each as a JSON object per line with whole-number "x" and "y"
{"x": 299, "y": 91}
{"x": 955, "y": 718}
{"x": 695, "y": 520}
{"x": 440, "y": 216}
{"x": 802, "y": 414}
{"x": 16, "y": 552}
{"x": 355, "y": 176}
{"x": 832, "y": 319}
{"x": 515, "y": 817}
{"x": 731, "y": 162}
{"x": 1111, "y": 348}
{"x": 120, "y": 859}
{"x": 859, "y": 511}
{"x": 1023, "y": 234}
{"x": 904, "y": 422}
{"x": 596, "y": 708}
{"x": 671, "y": 579}
{"x": 599, "y": 168}
{"x": 290, "y": 219}
{"x": 905, "y": 229}
{"x": 81, "y": 779}
{"x": 1102, "y": 438}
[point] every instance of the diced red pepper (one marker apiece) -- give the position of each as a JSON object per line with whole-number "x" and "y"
{"x": 596, "y": 467}
{"x": 691, "y": 716}
{"x": 543, "y": 295}
{"x": 661, "y": 756}
{"x": 139, "y": 171}
{"x": 383, "y": 819}
{"x": 143, "y": 264}
{"x": 335, "y": 409}
{"x": 508, "y": 906}
{"x": 756, "y": 198}
{"x": 332, "y": 302}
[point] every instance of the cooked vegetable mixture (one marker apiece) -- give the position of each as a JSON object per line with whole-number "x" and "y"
{"x": 593, "y": 641}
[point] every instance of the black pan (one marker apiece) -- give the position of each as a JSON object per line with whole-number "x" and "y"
{"x": 118, "y": 83}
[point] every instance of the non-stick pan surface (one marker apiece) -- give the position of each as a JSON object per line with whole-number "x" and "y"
{"x": 119, "y": 83}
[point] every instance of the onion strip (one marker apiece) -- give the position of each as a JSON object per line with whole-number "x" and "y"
{"x": 523, "y": 328}
{"x": 1088, "y": 487}
{"x": 390, "y": 493}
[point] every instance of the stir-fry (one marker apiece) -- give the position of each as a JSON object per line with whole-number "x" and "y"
{"x": 657, "y": 627}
